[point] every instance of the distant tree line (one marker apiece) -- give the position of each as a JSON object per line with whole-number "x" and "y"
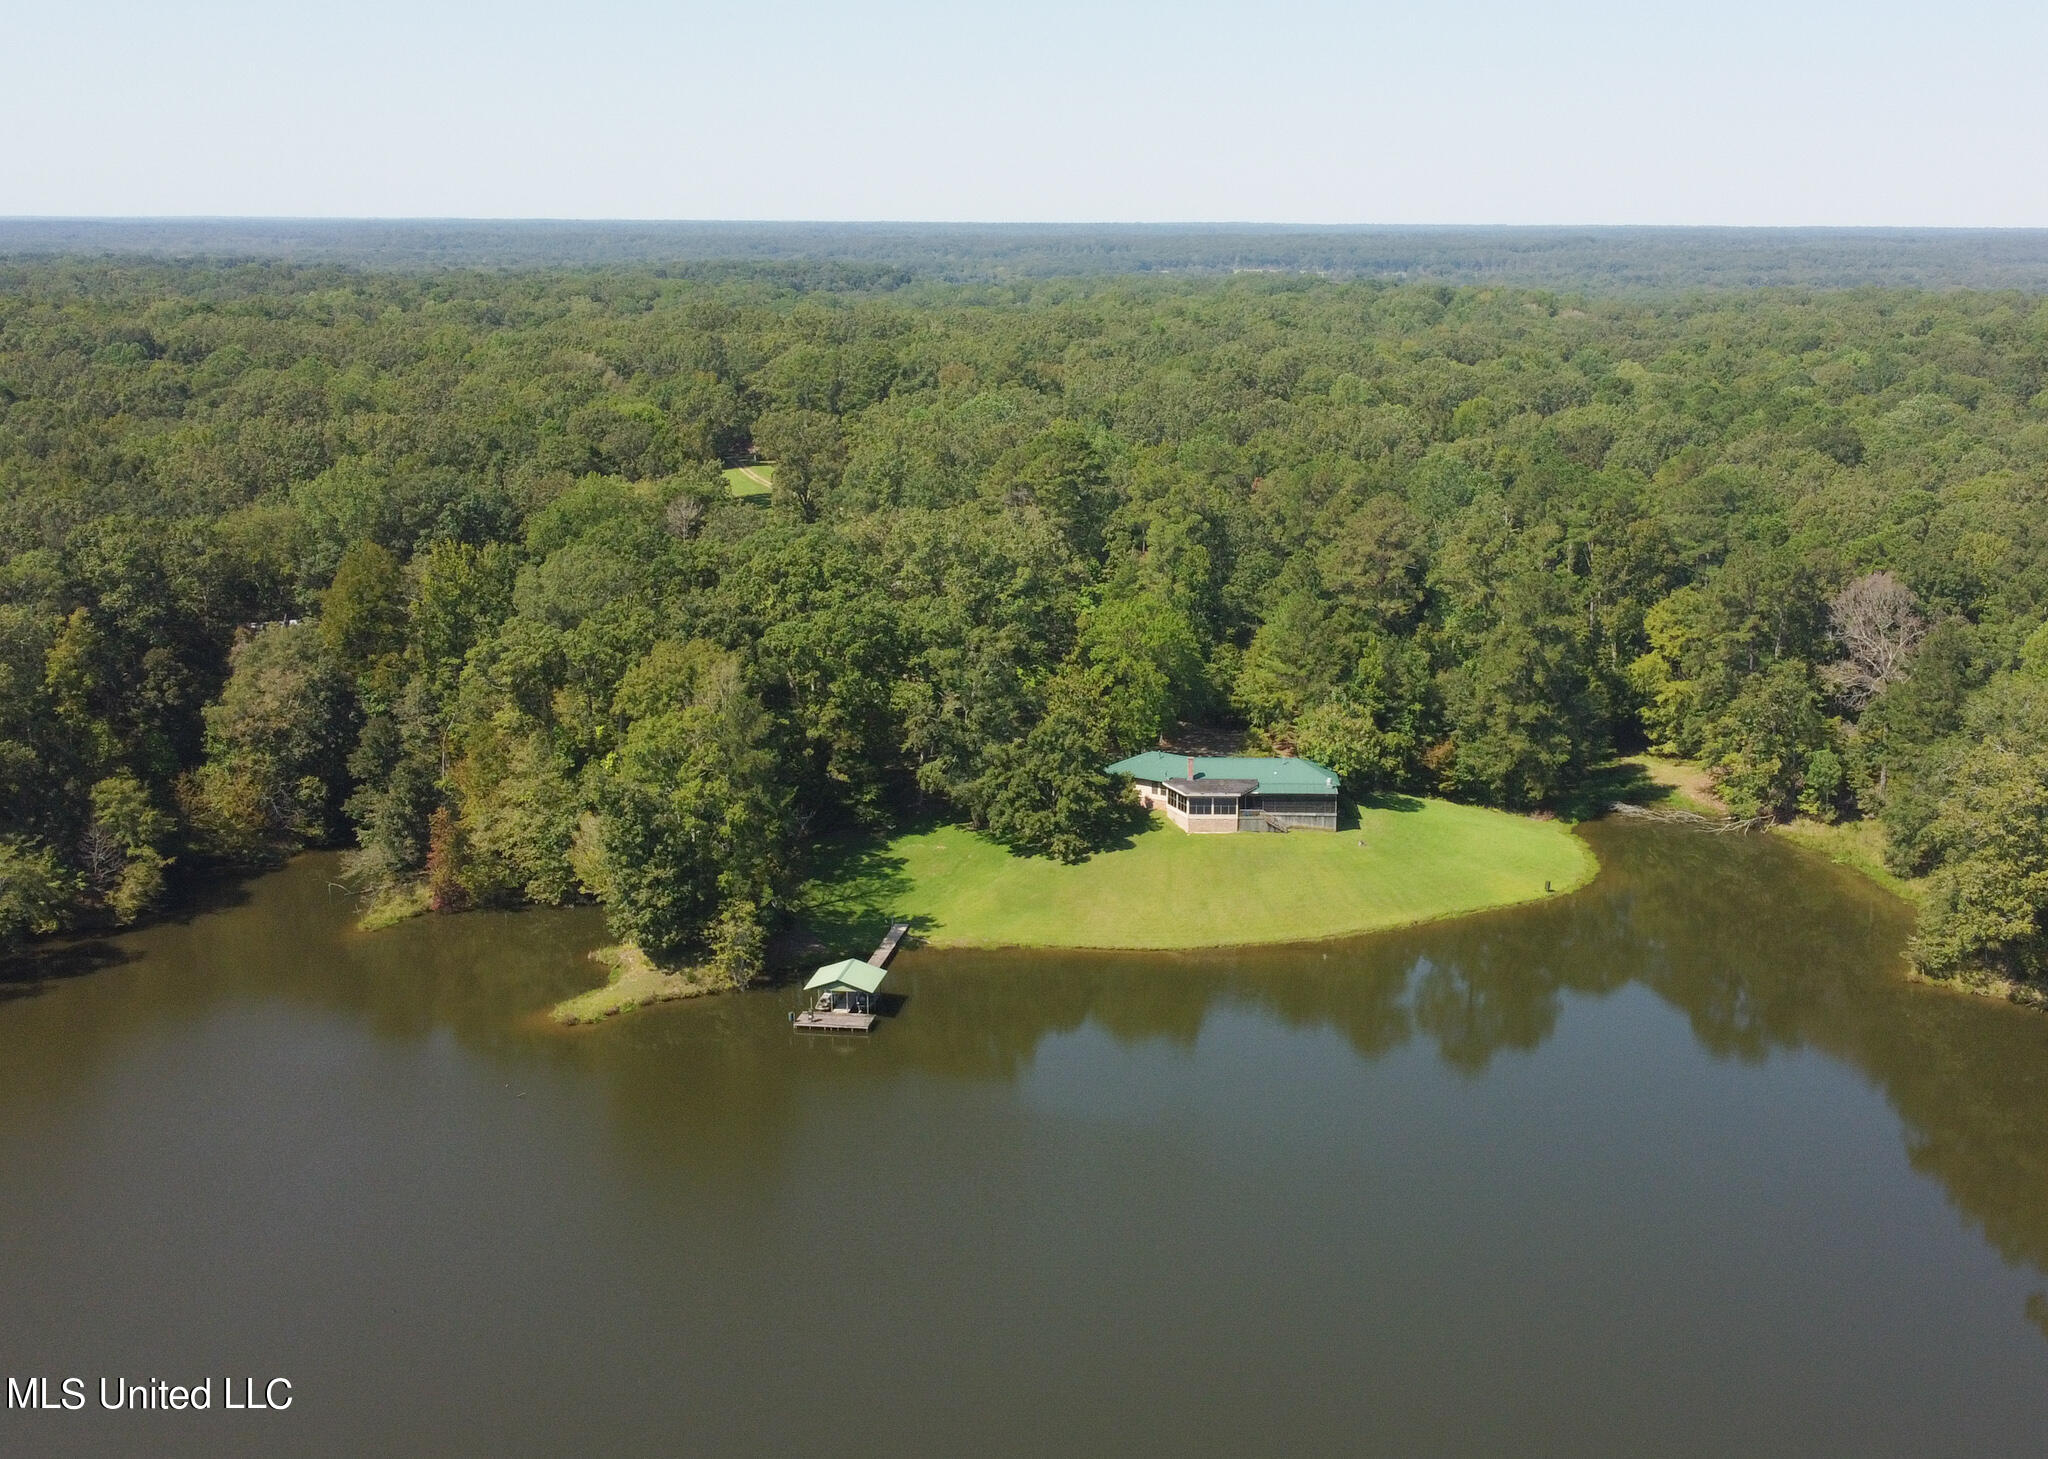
{"x": 1604, "y": 260}
{"x": 441, "y": 567}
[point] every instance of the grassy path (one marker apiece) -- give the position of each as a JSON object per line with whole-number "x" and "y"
{"x": 1406, "y": 861}
{"x": 750, "y": 480}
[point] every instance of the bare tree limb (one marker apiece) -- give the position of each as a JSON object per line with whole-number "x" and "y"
{"x": 1878, "y": 622}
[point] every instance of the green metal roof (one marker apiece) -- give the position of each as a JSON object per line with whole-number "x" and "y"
{"x": 853, "y": 973}
{"x": 1277, "y": 775}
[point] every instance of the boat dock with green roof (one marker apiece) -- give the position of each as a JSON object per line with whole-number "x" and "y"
{"x": 842, "y": 994}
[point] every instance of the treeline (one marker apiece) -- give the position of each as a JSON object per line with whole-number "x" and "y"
{"x": 1593, "y": 259}
{"x": 442, "y": 567}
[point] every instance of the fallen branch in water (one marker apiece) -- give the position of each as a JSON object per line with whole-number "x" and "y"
{"x": 1716, "y": 824}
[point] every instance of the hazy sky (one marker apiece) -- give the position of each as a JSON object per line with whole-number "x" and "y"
{"x": 1591, "y": 111}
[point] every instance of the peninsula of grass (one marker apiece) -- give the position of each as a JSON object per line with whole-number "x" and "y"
{"x": 393, "y": 905}
{"x": 632, "y": 981}
{"x": 1402, "y": 861}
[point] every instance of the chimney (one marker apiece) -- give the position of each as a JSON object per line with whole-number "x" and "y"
{"x": 1191, "y": 767}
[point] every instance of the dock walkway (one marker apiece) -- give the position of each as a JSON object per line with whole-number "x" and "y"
{"x": 881, "y": 955}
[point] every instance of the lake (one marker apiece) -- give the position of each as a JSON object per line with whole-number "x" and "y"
{"x": 1678, "y": 1164}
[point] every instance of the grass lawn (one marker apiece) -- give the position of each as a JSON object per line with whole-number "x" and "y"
{"x": 1677, "y": 785}
{"x": 1404, "y": 861}
{"x": 746, "y": 481}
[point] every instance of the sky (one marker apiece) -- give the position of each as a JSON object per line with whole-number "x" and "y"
{"x": 1801, "y": 112}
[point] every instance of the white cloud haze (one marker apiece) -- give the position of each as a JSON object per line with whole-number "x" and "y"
{"x": 1582, "y": 112}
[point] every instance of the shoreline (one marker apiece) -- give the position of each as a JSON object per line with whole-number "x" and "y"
{"x": 634, "y": 981}
{"x": 1856, "y": 845}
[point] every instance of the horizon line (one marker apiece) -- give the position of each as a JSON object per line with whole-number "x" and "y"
{"x": 1189, "y": 223}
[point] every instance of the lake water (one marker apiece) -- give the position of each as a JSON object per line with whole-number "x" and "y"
{"x": 1679, "y": 1164}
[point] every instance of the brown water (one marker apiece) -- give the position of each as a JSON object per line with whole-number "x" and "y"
{"x": 1676, "y": 1165}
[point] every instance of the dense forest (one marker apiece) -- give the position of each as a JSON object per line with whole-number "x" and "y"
{"x": 1591, "y": 260}
{"x": 440, "y": 566}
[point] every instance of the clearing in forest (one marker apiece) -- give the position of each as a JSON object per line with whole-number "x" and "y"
{"x": 745, "y": 481}
{"x": 1402, "y": 860}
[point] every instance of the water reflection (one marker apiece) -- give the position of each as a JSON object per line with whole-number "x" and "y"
{"x": 1585, "y": 1176}
{"x": 1760, "y": 948}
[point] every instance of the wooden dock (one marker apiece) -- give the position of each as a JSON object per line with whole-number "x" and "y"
{"x": 815, "y": 1022}
{"x": 846, "y": 984}
{"x": 881, "y": 955}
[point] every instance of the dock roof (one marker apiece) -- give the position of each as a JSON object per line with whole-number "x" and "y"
{"x": 852, "y": 973}
{"x": 1275, "y": 774}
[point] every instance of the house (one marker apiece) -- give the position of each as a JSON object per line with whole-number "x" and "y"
{"x": 1217, "y": 793}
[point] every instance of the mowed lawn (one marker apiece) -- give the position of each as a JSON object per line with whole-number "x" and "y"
{"x": 1166, "y": 889}
{"x": 746, "y": 481}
